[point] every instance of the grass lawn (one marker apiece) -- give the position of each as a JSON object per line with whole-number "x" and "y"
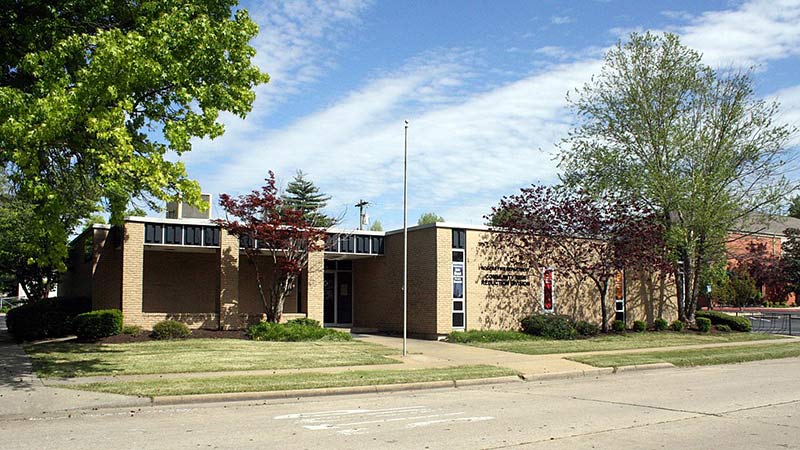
{"x": 261, "y": 383}
{"x": 66, "y": 359}
{"x": 696, "y": 357}
{"x": 531, "y": 345}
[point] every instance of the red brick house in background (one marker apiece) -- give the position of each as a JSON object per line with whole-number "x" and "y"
{"x": 767, "y": 239}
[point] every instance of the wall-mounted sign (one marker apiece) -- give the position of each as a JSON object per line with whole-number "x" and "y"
{"x": 547, "y": 291}
{"x": 505, "y": 276}
{"x": 619, "y": 296}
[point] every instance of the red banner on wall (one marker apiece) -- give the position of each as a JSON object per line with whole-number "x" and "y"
{"x": 547, "y": 285}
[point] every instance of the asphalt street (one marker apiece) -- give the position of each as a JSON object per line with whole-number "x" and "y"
{"x": 746, "y": 406}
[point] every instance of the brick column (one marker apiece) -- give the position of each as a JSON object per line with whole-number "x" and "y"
{"x": 132, "y": 273}
{"x": 315, "y": 281}
{"x": 229, "y": 317}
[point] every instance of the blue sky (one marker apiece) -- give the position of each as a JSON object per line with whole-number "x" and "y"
{"x": 483, "y": 84}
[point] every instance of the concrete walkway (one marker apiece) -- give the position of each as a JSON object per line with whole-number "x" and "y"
{"x": 23, "y": 394}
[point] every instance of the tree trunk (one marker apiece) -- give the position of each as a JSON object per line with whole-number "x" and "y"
{"x": 662, "y": 299}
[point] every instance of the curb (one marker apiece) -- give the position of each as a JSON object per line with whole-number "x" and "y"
{"x": 569, "y": 374}
{"x": 653, "y": 366}
{"x": 301, "y": 393}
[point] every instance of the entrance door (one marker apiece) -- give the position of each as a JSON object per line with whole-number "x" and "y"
{"x": 329, "y": 301}
{"x": 344, "y": 298}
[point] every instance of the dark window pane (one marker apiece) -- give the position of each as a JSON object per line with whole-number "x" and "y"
{"x": 346, "y": 244}
{"x": 192, "y": 235}
{"x": 458, "y": 256}
{"x": 211, "y": 236}
{"x": 152, "y": 233}
{"x": 245, "y": 242}
{"x": 345, "y": 265}
{"x": 459, "y": 238}
{"x": 330, "y": 265}
{"x": 362, "y": 244}
{"x": 458, "y": 306}
{"x": 172, "y": 234}
{"x": 458, "y": 320}
{"x": 377, "y": 245}
{"x": 332, "y": 243}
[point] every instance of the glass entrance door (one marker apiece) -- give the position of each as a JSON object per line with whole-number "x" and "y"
{"x": 344, "y": 298}
{"x": 329, "y": 302}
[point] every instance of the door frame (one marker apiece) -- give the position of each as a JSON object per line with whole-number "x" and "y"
{"x": 335, "y": 322}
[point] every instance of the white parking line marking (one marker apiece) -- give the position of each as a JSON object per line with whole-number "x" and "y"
{"x": 459, "y": 419}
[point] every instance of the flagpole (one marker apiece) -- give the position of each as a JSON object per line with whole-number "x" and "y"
{"x": 405, "y": 239}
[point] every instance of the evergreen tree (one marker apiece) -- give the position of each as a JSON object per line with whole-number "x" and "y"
{"x": 301, "y": 194}
{"x": 794, "y": 207}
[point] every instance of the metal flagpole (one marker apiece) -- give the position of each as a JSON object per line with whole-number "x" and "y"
{"x": 405, "y": 239}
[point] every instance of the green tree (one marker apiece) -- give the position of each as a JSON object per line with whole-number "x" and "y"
{"x": 429, "y": 218}
{"x": 790, "y": 259}
{"x": 97, "y": 97}
{"x": 695, "y": 143}
{"x": 376, "y": 226}
{"x": 301, "y": 194}
{"x": 794, "y": 207}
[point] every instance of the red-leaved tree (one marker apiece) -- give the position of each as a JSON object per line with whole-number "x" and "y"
{"x": 270, "y": 230}
{"x": 593, "y": 238}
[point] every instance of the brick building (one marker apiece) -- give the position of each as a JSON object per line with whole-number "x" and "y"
{"x": 188, "y": 269}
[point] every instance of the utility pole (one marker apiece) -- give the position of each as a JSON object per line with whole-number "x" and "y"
{"x": 405, "y": 239}
{"x": 361, "y": 205}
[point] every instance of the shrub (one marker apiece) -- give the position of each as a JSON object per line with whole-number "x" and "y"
{"x": 639, "y": 326}
{"x": 550, "y": 326}
{"x": 464, "y": 337}
{"x": 660, "y": 324}
{"x": 723, "y": 328}
{"x": 618, "y": 326}
{"x": 305, "y": 321}
{"x": 586, "y": 328}
{"x": 677, "y": 326}
{"x": 49, "y": 318}
{"x": 720, "y": 318}
{"x": 98, "y": 324}
{"x": 132, "y": 330}
{"x": 170, "y": 329}
{"x": 703, "y": 324}
{"x": 294, "y": 332}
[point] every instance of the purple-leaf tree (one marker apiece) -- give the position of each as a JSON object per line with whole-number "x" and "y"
{"x": 271, "y": 231}
{"x": 577, "y": 234}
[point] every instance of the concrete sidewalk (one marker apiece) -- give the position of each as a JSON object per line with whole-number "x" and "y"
{"x": 22, "y": 393}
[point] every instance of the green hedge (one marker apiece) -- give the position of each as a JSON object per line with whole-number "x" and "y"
{"x": 466, "y": 337}
{"x": 170, "y": 329}
{"x": 98, "y": 324}
{"x": 49, "y": 318}
{"x": 294, "y": 331}
{"x": 550, "y": 326}
{"x": 587, "y": 328}
{"x": 720, "y": 318}
{"x": 639, "y": 326}
{"x": 618, "y": 326}
{"x": 660, "y": 324}
{"x": 703, "y": 324}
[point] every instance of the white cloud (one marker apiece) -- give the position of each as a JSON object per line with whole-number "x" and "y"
{"x": 755, "y": 33}
{"x": 468, "y": 146}
{"x": 561, "y": 20}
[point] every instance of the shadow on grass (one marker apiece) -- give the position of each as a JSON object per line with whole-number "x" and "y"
{"x": 48, "y": 361}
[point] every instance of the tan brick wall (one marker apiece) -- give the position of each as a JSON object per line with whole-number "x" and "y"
{"x": 77, "y": 281}
{"x": 107, "y": 278}
{"x": 313, "y": 286}
{"x": 378, "y": 281}
{"x": 180, "y": 281}
{"x": 133, "y": 273}
{"x": 229, "y": 282}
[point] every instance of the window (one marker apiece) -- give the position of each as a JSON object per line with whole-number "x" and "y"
{"x": 459, "y": 238}
{"x": 346, "y": 244}
{"x": 152, "y": 233}
{"x": 362, "y": 244}
{"x": 192, "y": 235}
{"x": 377, "y": 245}
{"x": 211, "y": 236}
{"x": 332, "y": 243}
{"x": 172, "y": 234}
{"x": 458, "y": 256}
{"x": 245, "y": 242}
